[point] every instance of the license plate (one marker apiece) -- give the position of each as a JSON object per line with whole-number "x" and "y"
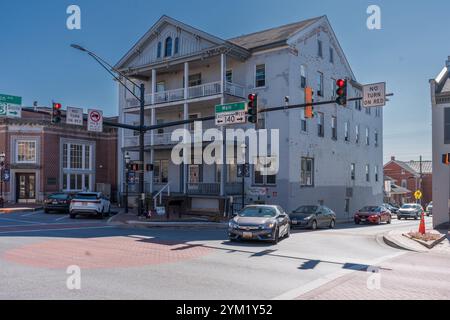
{"x": 55, "y": 202}
{"x": 363, "y": 220}
{"x": 84, "y": 204}
{"x": 294, "y": 221}
{"x": 247, "y": 235}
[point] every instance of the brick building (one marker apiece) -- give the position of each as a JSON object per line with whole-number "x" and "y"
{"x": 43, "y": 158}
{"x": 407, "y": 175}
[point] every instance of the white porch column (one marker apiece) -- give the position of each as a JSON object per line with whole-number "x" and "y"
{"x": 186, "y": 126}
{"x": 223, "y": 172}
{"x": 152, "y": 133}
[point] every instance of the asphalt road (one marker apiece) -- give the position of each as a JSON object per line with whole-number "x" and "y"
{"x": 36, "y": 250}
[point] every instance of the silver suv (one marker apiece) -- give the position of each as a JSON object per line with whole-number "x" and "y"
{"x": 429, "y": 210}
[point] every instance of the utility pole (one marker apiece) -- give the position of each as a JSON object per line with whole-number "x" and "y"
{"x": 420, "y": 178}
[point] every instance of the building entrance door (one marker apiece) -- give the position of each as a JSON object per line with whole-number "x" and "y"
{"x": 26, "y": 187}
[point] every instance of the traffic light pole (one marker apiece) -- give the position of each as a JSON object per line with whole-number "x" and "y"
{"x": 141, "y": 205}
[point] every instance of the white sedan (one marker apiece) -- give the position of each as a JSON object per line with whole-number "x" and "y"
{"x": 90, "y": 203}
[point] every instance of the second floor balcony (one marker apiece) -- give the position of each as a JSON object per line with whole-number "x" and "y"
{"x": 194, "y": 92}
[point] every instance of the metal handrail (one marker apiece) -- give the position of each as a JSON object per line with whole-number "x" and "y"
{"x": 160, "y": 194}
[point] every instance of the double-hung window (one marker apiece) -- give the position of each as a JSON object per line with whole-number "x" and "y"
{"x": 302, "y": 76}
{"x": 320, "y": 92}
{"x": 260, "y": 76}
{"x": 307, "y": 172}
{"x": 320, "y": 122}
{"x": 347, "y": 132}
{"x": 26, "y": 151}
{"x": 334, "y": 128}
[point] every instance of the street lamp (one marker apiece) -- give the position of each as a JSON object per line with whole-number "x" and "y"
{"x": 141, "y": 98}
{"x": 127, "y": 168}
{"x": 243, "y": 171}
{"x": 2, "y": 167}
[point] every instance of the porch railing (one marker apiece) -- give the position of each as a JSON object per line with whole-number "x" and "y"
{"x": 235, "y": 89}
{"x": 213, "y": 189}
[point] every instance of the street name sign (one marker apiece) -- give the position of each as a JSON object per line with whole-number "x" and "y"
{"x": 374, "y": 95}
{"x": 74, "y": 116}
{"x": 95, "y": 120}
{"x": 10, "y": 106}
{"x": 232, "y": 113}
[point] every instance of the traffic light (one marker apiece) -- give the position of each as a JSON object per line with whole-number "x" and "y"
{"x": 252, "y": 108}
{"x": 446, "y": 159}
{"x": 56, "y": 114}
{"x": 341, "y": 92}
{"x": 309, "y": 94}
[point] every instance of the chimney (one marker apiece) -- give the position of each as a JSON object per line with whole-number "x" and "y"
{"x": 392, "y": 158}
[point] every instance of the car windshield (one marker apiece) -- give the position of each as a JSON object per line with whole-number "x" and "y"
{"x": 306, "y": 210}
{"x": 59, "y": 196}
{"x": 409, "y": 206}
{"x": 259, "y": 212}
{"x": 86, "y": 196}
{"x": 369, "y": 209}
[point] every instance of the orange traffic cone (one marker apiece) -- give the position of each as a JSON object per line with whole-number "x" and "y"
{"x": 422, "y": 224}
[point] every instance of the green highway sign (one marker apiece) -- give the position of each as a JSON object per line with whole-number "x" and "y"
{"x": 10, "y": 106}
{"x": 232, "y": 113}
{"x": 10, "y": 99}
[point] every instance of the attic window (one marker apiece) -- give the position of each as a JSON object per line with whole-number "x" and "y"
{"x": 168, "y": 47}
{"x": 158, "y": 51}
{"x": 177, "y": 45}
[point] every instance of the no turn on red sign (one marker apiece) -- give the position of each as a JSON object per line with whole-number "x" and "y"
{"x": 95, "y": 120}
{"x": 374, "y": 95}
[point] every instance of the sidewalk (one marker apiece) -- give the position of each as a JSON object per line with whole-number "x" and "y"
{"x": 12, "y": 208}
{"x": 412, "y": 276}
{"x": 132, "y": 220}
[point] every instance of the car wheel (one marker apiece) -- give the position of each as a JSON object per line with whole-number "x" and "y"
{"x": 73, "y": 216}
{"x": 379, "y": 221}
{"x": 399, "y": 218}
{"x": 416, "y": 218}
{"x": 46, "y": 211}
{"x": 314, "y": 225}
{"x": 357, "y": 222}
{"x": 389, "y": 221}
{"x": 276, "y": 236}
{"x": 332, "y": 224}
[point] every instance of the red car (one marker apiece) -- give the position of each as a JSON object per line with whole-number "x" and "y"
{"x": 373, "y": 214}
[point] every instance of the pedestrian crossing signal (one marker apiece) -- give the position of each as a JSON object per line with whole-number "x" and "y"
{"x": 309, "y": 110}
{"x": 446, "y": 159}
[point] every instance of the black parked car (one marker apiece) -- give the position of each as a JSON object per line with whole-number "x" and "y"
{"x": 313, "y": 217}
{"x": 57, "y": 202}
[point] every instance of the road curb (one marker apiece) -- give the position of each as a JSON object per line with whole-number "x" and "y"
{"x": 392, "y": 242}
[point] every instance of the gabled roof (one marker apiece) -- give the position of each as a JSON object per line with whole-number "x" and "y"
{"x": 414, "y": 166}
{"x": 427, "y": 166}
{"x": 154, "y": 29}
{"x": 272, "y": 36}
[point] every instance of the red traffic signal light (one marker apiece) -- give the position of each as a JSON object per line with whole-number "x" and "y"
{"x": 341, "y": 92}
{"x": 56, "y": 113}
{"x": 252, "y": 108}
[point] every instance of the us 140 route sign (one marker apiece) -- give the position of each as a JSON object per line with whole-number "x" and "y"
{"x": 232, "y": 113}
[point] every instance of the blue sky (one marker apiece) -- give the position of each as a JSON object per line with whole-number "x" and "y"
{"x": 37, "y": 63}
